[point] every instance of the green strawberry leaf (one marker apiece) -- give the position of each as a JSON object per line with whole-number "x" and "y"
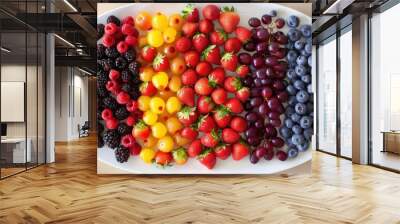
{"x": 187, "y": 10}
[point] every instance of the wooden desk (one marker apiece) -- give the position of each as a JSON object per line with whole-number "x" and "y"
{"x": 391, "y": 141}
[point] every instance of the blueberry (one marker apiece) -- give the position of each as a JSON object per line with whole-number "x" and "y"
{"x": 309, "y": 88}
{"x": 300, "y": 108}
{"x": 295, "y": 117}
{"x": 272, "y": 13}
{"x": 292, "y": 152}
{"x": 300, "y": 85}
{"x": 298, "y": 139}
{"x": 293, "y": 21}
{"x": 297, "y": 129}
{"x": 292, "y": 101}
{"x": 294, "y": 34}
{"x": 306, "y": 122}
{"x": 303, "y": 147}
{"x": 289, "y": 123}
{"x": 301, "y": 60}
{"x": 308, "y": 133}
{"x": 306, "y": 78}
{"x": 302, "y": 96}
{"x": 289, "y": 111}
{"x": 308, "y": 48}
{"x": 305, "y": 53}
{"x": 290, "y": 143}
{"x": 291, "y": 56}
{"x": 292, "y": 64}
{"x": 291, "y": 73}
{"x": 300, "y": 70}
{"x": 286, "y": 132}
{"x": 299, "y": 45}
{"x": 309, "y": 61}
{"x": 312, "y": 114}
{"x": 306, "y": 30}
{"x": 291, "y": 90}
{"x": 290, "y": 45}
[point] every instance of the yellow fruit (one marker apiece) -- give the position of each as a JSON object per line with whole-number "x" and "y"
{"x": 173, "y": 125}
{"x": 160, "y": 80}
{"x": 144, "y": 103}
{"x": 146, "y": 74}
{"x": 173, "y": 105}
{"x": 158, "y": 130}
{"x": 165, "y": 144}
{"x": 163, "y": 117}
{"x": 142, "y": 41}
{"x": 149, "y": 117}
{"x": 175, "y": 83}
{"x": 147, "y": 155}
{"x": 143, "y": 20}
{"x": 176, "y": 21}
{"x": 159, "y": 21}
{"x": 178, "y": 66}
{"x": 180, "y": 140}
{"x": 166, "y": 94}
{"x": 169, "y": 35}
{"x": 148, "y": 142}
{"x": 155, "y": 38}
{"x": 157, "y": 105}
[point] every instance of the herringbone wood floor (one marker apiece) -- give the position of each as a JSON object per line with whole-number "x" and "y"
{"x": 69, "y": 191}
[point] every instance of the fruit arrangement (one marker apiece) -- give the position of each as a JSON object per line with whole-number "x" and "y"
{"x": 197, "y": 85}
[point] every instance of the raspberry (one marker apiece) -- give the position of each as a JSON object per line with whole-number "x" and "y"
{"x": 127, "y": 29}
{"x": 108, "y": 40}
{"x": 126, "y": 76}
{"x": 122, "y": 47}
{"x": 110, "y": 28}
{"x": 127, "y": 140}
{"x": 128, "y": 20}
{"x": 107, "y": 114}
{"x": 131, "y": 40}
{"x": 110, "y": 102}
{"x": 132, "y": 106}
{"x": 130, "y": 121}
{"x": 112, "y": 124}
{"x": 135, "y": 149}
{"x": 121, "y": 113}
{"x": 121, "y": 154}
{"x": 114, "y": 19}
{"x": 114, "y": 75}
{"x": 111, "y": 52}
{"x": 123, "y": 97}
{"x": 100, "y": 30}
{"x": 112, "y": 86}
{"x": 130, "y": 55}
{"x": 120, "y": 63}
{"x": 101, "y": 51}
{"x": 111, "y": 138}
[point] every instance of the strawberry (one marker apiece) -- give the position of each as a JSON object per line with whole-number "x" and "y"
{"x": 192, "y": 58}
{"x": 242, "y": 71}
{"x": 217, "y": 77}
{"x": 205, "y": 104}
{"x": 189, "y": 29}
{"x": 163, "y": 158}
{"x": 243, "y": 34}
{"x": 218, "y": 37}
{"x": 141, "y": 130}
{"x": 232, "y": 84}
{"x": 200, "y": 42}
{"x": 219, "y": 96}
{"x": 190, "y": 13}
{"x": 229, "y": 61}
{"x": 203, "y": 68}
{"x": 230, "y": 136}
{"x": 234, "y": 105}
{"x": 206, "y": 26}
{"x": 207, "y": 158}
{"x": 239, "y": 150}
{"x": 203, "y": 87}
{"x": 206, "y": 124}
{"x": 189, "y": 77}
{"x": 183, "y": 44}
{"x": 180, "y": 156}
{"x": 189, "y": 133}
{"x": 148, "y": 53}
{"x": 187, "y": 115}
{"x": 160, "y": 63}
{"x": 229, "y": 19}
{"x": 186, "y": 96}
{"x": 223, "y": 151}
{"x": 210, "y": 139}
{"x": 147, "y": 89}
{"x": 212, "y": 55}
{"x": 195, "y": 148}
{"x": 233, "y": 45}
{"x": 238, "y": 124}
{"x": 222, "y": 116}
{"x": 211, "y": 12}
{"x": 243, "y": 94}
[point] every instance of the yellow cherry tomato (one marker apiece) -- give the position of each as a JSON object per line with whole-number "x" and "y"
{"x": 146, "y": 74}
{"x": 175, "y": 83}
{"x": 173, "y": 105}
{"x": 165, "y": 144}
{"x": 155, "y": 38}
{"x": 180, "y": 140}
{"x": 149, "y": 117}
{"x": 163, "y": 117}
{"x": 143, "y": 21}
{"x": 157, "y": 105}
{"x": 160, "y": 80}
{"x": 142, "y": 41}
{"x": 173, "y": 125}
{"x": 178, "y": 66}
{"x": 159, "y": 21}
{"x": 169, "y": 50}
{"x": 166, "y": 94}
{"x": 149, "y": 142}
{"x": 169, "y": 35}
{"x": 176, "y": 21}
{"x": 144, "y": 103}
{"x": 147, "y": 155}
{"x": 158, "y": 130}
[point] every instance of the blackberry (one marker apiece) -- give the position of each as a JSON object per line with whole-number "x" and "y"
{"x": 100, "y": 128}
{"x": 102, "y": 77}
{"x": 111, "y": 103}
{"x": 121, "y": 113}
{"x": 100, "y": 141}
{"x": 100, "y": 30}
{"x": 114, "y": 19}
{"x": 102, "y": 91}
{"x": 111, "y": 138}
{"x": 134, "y": 67}
{"x": 121, "y": 154}
{"x": 130, "y": 55}
{"x": 127, "y": 87}
{"x": 120, "y": 63}
{"x": 134, "y": 95}
{"x": 101, "y": 51}
{"x": 99, "y": 118}
{"x": 111, "y": 52}
{"x": 136, "y": 79}
{"x": 126, "y": 76}
{"x": 107, "y": 64}
{"x": 124, "y": 129}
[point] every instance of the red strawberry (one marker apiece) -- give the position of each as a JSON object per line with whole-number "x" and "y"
{"x": 187, "y": 115}
{"x": 195, "y": 148}
{"x": 243, "y": 94}
{"x": 189, "y": 133}
{"x": 223, "y": 151}
{"x": 210, "y": 139}
{"x": 200, "y": 42}
{"x": 141, "y": 130}
{"x": 186, "y": 96}
{"x": 206, "y": 26}
{"x": 147, "y": 89}
{"x": 212, "y": 55}
{"x": 242, "y": 71}
{"x": 218, "y": 37}
{"x": 192, "y": 58}
{"x": 233, "y": 45}
{"x": 205, "y": 104}
{"x": 217, "y": 76}
{"x": 211, "y": 12}
{"x": 229, "y": 61}
{"x": 243, "y": 34}
{"x": 183, "y": 44}
{"x": 207, "y": 158}
{"x": 230, "y": 136}
{"x": 234, "y": 105}
{"x": 232, "y": 84}
{"x": 163, "y": 158}
{"x": 148, "y": 53}
{"x": 189, "y": 29}
{"x": 219, "y": 96}
{"x": 206, "y": 124}
{"x": 222, "y": 116}
{"x": 238, "y": 124}
{"x": 203, "y": 68}
{"x": 160, "y": 63}
{"x": 189, "y": 77}
{"x": 191, "y": 13}
{"x": 239, "y": 150}
{"x": 203, "y": 87}
{"x": 229, "y": 19}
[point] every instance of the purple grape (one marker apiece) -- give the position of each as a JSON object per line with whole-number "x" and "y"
{"x": 262, "y": 34}
{"x": 261, "y": 73}
{"x": 280, "y": 66}
{"x": 277, "y": 142}
{"x": 270, "y": 131}
{"x": 271, "y": 61}
{"x": 278, "y": 85}
{"x": 254, "y": 158}
{"x": 273, "y": 103}
{"x": 257, "y": 101}
{"x": 273, "y": 47}
{"x": 247, "y": 81}
{"x": 254, "y": 22}
{"x": 275, "y": 122}
{"x": 250, "y": 46}
{"x": 259, "y": 124}
{"x": 252, "y": 117}
{"x": 263, "y": 109}
{"x": 257, "y": 82}
{"x": 266, "y": 92}
{"x": 245, "y": 58}
{"x": 270, "y": 72}
{"x": 258, "y": 62}
{"x": 262, "y": 47}
{"x": 273, "y": 115}
{"x": 260, "y": 152}
{"x": 266, "y": 19}
{"x": 254, "y": 92}
{"x": 282, "y": 96}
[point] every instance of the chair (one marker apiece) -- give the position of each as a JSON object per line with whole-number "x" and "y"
{"x": 84, "y": 130}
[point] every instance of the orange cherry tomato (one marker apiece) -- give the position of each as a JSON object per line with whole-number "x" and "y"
{"x": 143, "y": 21}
